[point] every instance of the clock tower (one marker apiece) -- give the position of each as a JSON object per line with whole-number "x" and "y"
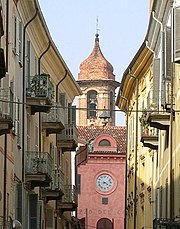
{"x": 100, "y": 176}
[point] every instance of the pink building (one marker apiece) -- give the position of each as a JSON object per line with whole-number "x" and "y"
{"x": 101, "y": 181}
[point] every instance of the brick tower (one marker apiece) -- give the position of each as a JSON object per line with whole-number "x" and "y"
{"x": 98, "y": 85}
{"x": 100, "y": 176}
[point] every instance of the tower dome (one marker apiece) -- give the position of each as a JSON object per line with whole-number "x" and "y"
{"x": 95, "y": 66}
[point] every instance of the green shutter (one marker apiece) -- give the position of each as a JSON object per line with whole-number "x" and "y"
{"x": 156, "y": 77}
{"x": 168, "y": 53}
{"x": 33, "y": 211}
{"x": 177, "y": 34}
{"x": 19, "y": 202}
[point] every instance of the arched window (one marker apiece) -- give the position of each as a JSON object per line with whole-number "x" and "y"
{"x": 104, "y": 223}
{"x": 92, "y": 104}
{"x": 104, "y": 143}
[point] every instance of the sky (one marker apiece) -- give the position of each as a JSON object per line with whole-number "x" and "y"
{"x": 122, "y": 26}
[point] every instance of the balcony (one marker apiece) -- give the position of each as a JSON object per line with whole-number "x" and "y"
{"x": 150, "y": 141}
{"x": 160, "y": 121}
{"x": 69, "y": 200}
{"x": 53, "y": 122}
{"x": 166, "y": 223}
{"x": 56, "y": 188}
{"x": 81, "y": 155}
{"x": 6, "y": 111}
{"x": 38, "y": 168}
{"x": 68, "y": 138}
{"x": 39, "y": 93}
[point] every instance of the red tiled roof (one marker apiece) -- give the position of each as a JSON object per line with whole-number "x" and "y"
{"x": 87, "y": 133}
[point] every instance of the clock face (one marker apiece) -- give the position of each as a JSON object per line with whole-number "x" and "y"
{"x": 104, "y": 182}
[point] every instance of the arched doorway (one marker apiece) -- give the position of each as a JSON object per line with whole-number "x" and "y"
{"x": 104, "y": 223}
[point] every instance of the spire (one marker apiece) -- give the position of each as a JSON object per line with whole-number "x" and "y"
{"x": 97, "y": 30}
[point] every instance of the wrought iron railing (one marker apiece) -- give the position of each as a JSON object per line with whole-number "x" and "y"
{"x": 6, "y": 102}
{"x": 40, "y": 86}
{"x": 57, "y": 180}
{"x": 70, "y": 132}
{"x": 56, "y": 114}
{"x": 166, "y": 223}
{"x": 70, "y": 194}
{"x": 38, "y": 163}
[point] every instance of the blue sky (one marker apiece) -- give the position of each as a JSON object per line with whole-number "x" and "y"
{"x": 122, "y": 28}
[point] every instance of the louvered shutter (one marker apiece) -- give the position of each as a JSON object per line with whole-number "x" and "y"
{"x": 78, "y": 180}
{"x": 74, "y": 115}
{"x": 19, "y": 202}
{"x": 163, "y": 67}
{"x": 69, "y": 113}
{"x": 156, "y": 77}
{"x": 33, "y": 211}
{"x": 177, "y": 34}
{"x": 168, "y": 53}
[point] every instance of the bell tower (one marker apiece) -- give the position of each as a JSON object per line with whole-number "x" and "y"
{"x": 97, "y": 82}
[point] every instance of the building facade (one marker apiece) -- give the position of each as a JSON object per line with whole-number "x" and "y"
{"x": 149, "y": 94}
{"x": 101, "y": 155}
{"x": 37, "y": 122}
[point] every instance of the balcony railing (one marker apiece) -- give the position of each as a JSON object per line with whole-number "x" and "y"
{"x": 56, "y": 188}
{"x": 38, "y": 168}
{"x": 57, "y": 180}
{"x": 68, "y": 138}
{"x": 53, "y": 122}
{"x": 70, "y": 194}
{"x": 39, "y": 92}
{"x": 69, "y": 199}
{"x": 6, "y": 110}
{"x": 166, "y": 223}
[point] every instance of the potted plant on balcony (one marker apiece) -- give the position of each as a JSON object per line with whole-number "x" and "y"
{"x": 144, "y": 122}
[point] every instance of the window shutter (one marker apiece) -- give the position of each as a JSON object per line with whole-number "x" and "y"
{"x": 49, "y": 218}
{"x": 20, "y": 41}
{"x": 168, "y": 53}
{"x": 33, "y": 210}
{"x": 78, "y": 180}
{"x": 19, "y": 202}
{"x": 74, "y": 115}
{"x": 62, "y": 99}
{"x": 69, "y": 113}
{"x": 156, "y": 77}
{"x": 177, "y": 34}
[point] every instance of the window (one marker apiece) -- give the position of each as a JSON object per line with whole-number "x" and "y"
{"x": 104, "y": 143}
{"x": 105, "y": 200}
{"x": 92, "y": 104}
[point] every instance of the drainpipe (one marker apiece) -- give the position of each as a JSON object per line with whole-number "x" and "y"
{"x": 24, "y": 90}
{"x": 127, "y": 121}
{"x": 61, "y": 80}
{"x": 65, "y": 75}
{"x": 135, "y": 151}
{"x": 171, "y": 124}
{"x": 5, "y": 136}
{"x": 39, "y": 72}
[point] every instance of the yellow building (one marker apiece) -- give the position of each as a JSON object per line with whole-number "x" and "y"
{"x": 37, "y": 122}
{"x": 149, "y": 94}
